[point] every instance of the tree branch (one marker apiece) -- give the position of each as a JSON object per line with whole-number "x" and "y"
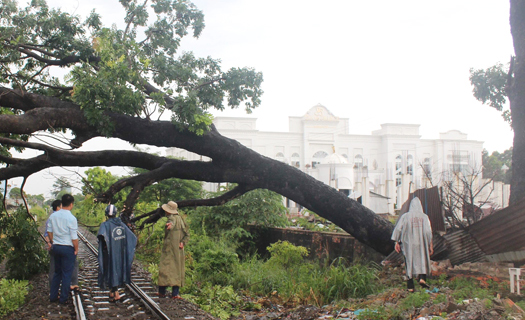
{"x": 231, "y": 161}
{"x": 155, "y": 215}
{"x": 58, "y": 62}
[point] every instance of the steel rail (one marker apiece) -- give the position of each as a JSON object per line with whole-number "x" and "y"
{"x": 137, "y": 291}
{"x": 77, "y": 301}
{"x": 79, "y": 307}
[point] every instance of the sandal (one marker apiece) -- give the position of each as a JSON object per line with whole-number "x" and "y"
{"x": 177, "y": 298}
{"x": 423, "y": 284}
{"x": 113, "y": 299}
{"x": 410, "y": 290}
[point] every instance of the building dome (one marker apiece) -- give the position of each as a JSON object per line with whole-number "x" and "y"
{"x": 334, "y": 158}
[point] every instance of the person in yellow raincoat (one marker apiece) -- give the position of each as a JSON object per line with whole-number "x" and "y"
{"x": 171, "y": 266}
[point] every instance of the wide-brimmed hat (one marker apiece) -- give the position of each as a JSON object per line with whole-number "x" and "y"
{"x": 170, "y": 207}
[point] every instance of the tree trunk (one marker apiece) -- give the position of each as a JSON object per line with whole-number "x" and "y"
{"x": 517, "y": 100}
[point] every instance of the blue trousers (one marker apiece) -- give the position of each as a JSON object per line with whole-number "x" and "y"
{"x": 64, "y": 263}
{"x": 74, "y": 276}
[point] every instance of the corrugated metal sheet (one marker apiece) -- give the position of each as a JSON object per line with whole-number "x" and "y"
{"x": 511, "y": 256}
{"x": 502, "y": 231}
{"x": 431, "y": 203}
{"x": 462, "y": 248}
{"x": 440, "y": 252}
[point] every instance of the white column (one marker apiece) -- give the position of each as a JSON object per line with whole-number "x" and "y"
{"x": 390, "y": 192}
{"x": 365, "y": 192}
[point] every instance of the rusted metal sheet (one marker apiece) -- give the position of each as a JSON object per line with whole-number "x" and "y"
{"x": 502, "y": 231}
{"x": 431, "y": 203}
{"x": 458, "y": 246}
{"x": 462, "y": 247}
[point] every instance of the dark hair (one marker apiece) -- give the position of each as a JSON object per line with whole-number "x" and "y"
{"x": 67, "y": 199}
{"x": 55, "y": 204}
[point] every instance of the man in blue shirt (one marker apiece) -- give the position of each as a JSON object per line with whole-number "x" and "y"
{"x": 62, "y": 232}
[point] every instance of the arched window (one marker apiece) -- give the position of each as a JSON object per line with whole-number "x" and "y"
{"x": 295, "y": 161}
{"x": 410, "y": 164}
{"x": 279, "y": 156}
{"x": 399, "y": 164}
{"x": 318, "y": 156}
{"x": 399, "y": 169}
{"x": 358, "y": 161}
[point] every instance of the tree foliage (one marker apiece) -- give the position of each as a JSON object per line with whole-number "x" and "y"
{"x": 20, "y": 246}
{"x": 60, "y": 186}
{"x": 498, "y": 166}
{"x": 166, "y": 190}
{"x": 16, "y": 194}
{"x": 490, "y": 87}
{"x": 260, "y": 207}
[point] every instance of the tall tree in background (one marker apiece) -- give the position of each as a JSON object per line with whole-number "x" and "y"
{"x": 15, "y": 194}
{"x": 497, "y": 166}
{"x": 60, "y": 186}
{"x": 119, "y": 81}
{"x": 494, "y": 85}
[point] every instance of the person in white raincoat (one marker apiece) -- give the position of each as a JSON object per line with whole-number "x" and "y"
{"x": 413, "y": 236}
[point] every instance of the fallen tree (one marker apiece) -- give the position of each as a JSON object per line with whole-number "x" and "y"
{"x": 117, "y": 84}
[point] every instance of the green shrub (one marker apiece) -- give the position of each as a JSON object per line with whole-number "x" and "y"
{"x": 342, "y": 281}
{"x": 254, "y": 275}
{"x": 40, "y": 213}
{"x": 285, "y": 254}
{"x": 153, "y": 269}
{"x": 219, "y": 301}
{"x": 150, "y": 241}
{"x": 12, "y": 295}
{"x": 305, "y": 281}
{"x": 22, "y": 246}
{"x": 209, "y": 261}
{"x": 216, "y": 260}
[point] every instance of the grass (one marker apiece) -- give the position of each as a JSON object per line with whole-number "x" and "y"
{"x": 216, "y": 277}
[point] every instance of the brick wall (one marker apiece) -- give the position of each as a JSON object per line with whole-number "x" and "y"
{"x": 321, "y": 245}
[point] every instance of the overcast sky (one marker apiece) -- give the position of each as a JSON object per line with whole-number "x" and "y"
{"x": 373, "y": 62}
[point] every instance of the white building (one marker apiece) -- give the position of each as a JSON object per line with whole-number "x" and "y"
{"x": 391, "y": 162}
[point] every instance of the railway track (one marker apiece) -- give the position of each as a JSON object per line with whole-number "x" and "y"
{"x": 136, "y": 301}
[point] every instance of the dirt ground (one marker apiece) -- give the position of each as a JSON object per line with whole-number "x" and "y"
{"x": 39, "y": 307}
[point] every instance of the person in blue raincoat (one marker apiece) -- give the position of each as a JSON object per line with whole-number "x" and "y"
{"x": 116, "y": 250}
